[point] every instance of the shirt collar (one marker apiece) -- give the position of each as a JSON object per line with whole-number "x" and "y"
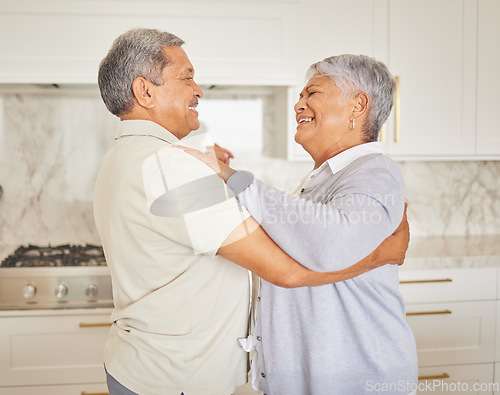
{"x": 339, "y": 161}
{"x": 140, "y": 127}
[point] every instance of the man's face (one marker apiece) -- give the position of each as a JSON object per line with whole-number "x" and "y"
{"x": 177, "y": 98}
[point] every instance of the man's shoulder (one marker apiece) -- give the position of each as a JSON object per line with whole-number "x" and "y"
{"x": 176, "y": 165}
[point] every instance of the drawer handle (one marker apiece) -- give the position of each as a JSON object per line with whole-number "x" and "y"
{"x": 442, "y": 280}
{"x": 430, "y": 312}
{"x": 94, "y": 325}
{"x": 438, "y": 376}
{"x": 94, "y": 393}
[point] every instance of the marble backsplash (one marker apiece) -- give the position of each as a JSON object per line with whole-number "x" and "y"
{"x": 51, "y": 146}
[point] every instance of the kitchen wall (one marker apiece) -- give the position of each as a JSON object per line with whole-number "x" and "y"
{"x": 50, "y": 148}
{"x": 51, "y": 144}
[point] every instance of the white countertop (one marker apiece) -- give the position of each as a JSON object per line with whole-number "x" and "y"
{"x": 437, "y": 252}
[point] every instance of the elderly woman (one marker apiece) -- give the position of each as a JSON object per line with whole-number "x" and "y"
{"x": 349, "y": 337}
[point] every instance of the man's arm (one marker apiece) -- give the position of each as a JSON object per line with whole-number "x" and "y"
{"x": 323, "y": 238}
{"x": 250, "y": 247}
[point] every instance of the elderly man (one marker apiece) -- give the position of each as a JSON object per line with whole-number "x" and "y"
{"x": 170, "y": 229}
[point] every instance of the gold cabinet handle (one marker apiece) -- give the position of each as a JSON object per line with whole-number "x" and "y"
{"x": 396, "y": 111}
{"x": 94, "y": 325}
{"x": 436, "y": 377}
{"x": 430, "y": 312}
{"x": 441, "y": 280}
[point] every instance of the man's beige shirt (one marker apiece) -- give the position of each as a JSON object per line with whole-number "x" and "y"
{"x": 179, "y": 308}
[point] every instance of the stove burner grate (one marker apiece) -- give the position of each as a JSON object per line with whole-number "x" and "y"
{"x": 61, "y": 255}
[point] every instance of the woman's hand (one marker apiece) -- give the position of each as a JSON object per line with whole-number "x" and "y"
{"x": 211, "y": 159}
{"x": 222, "y": 154}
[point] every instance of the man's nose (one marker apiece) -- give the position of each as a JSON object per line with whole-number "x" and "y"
{"x": 197, "y": 91}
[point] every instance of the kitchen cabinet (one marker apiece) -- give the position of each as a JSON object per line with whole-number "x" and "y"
{"x": 80, "y": 389}
{"x": 448, "y": 285}
{"x": 330, "y": 28}
{"x": 454, "y": 331}
{"x": 53, "y": 349}
{"x": 431, "y": 48}
{"x": 488, "y": 78}
{"x": 446, "y": 64}
{"x": 497, "y": 379}
{"x": 228, "y": 42}
{"x": 497, "y": 352}
{"x": 444, "y": 53}
{"x": 453, "y": 316}
{"x": 470, "y": 379}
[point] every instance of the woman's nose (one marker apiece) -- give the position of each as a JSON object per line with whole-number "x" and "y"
{"x": 299, "y": 106}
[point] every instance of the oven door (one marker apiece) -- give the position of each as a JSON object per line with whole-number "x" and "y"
{"x": 52, "y": 347}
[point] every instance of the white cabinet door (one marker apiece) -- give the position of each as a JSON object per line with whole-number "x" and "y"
{"x": 454, "y": 332}
{"x": 64, "y": 41}
{"x": 457, "y": 379}
{"x": 49, "y": 350}
{"x": 328, "y": 28}
{"x": 431, "y": 48}
{"x": 488, "y": 78}
{"x": 325, "y": 33}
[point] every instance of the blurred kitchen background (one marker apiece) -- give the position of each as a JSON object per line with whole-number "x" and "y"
{"x": 51, "y": 143}
{"x": 250, "y": 58}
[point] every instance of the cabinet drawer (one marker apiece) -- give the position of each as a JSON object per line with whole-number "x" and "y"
{"x": 497, "y": 379}
{"x": 447, "y": 333}
{"x": 497, "y": 356}
{"x": 79, "y": 389}
{"x": 427, "y": 286}
{"x": 470, "y": 379}
{"x": 49, "y": 350}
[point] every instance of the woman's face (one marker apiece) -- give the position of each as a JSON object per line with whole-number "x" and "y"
{"x": 323, "y": 121}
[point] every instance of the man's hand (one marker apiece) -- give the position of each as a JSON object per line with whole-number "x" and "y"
{"x": 393, "y": 249}
{"x": 402, "y": 235}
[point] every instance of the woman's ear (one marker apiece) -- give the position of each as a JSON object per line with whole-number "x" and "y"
{"x": 362, "y": 101}
{"x": 143, "y": 92}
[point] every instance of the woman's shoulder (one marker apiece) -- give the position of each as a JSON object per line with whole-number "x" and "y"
{"x": 375, "y": 174}
{"x": 373, "y": 164}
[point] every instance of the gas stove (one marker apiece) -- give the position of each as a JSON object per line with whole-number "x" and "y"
{"x": 55, "y": 277}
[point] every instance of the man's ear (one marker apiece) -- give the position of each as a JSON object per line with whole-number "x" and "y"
{"x": 143, "y": 94}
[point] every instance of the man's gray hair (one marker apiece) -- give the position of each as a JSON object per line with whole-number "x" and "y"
{"x": 136, "y": 53}
{"x": 359, "y": 73}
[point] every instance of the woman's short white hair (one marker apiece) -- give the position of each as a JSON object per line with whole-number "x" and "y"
{"x": 355, "y": 74}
